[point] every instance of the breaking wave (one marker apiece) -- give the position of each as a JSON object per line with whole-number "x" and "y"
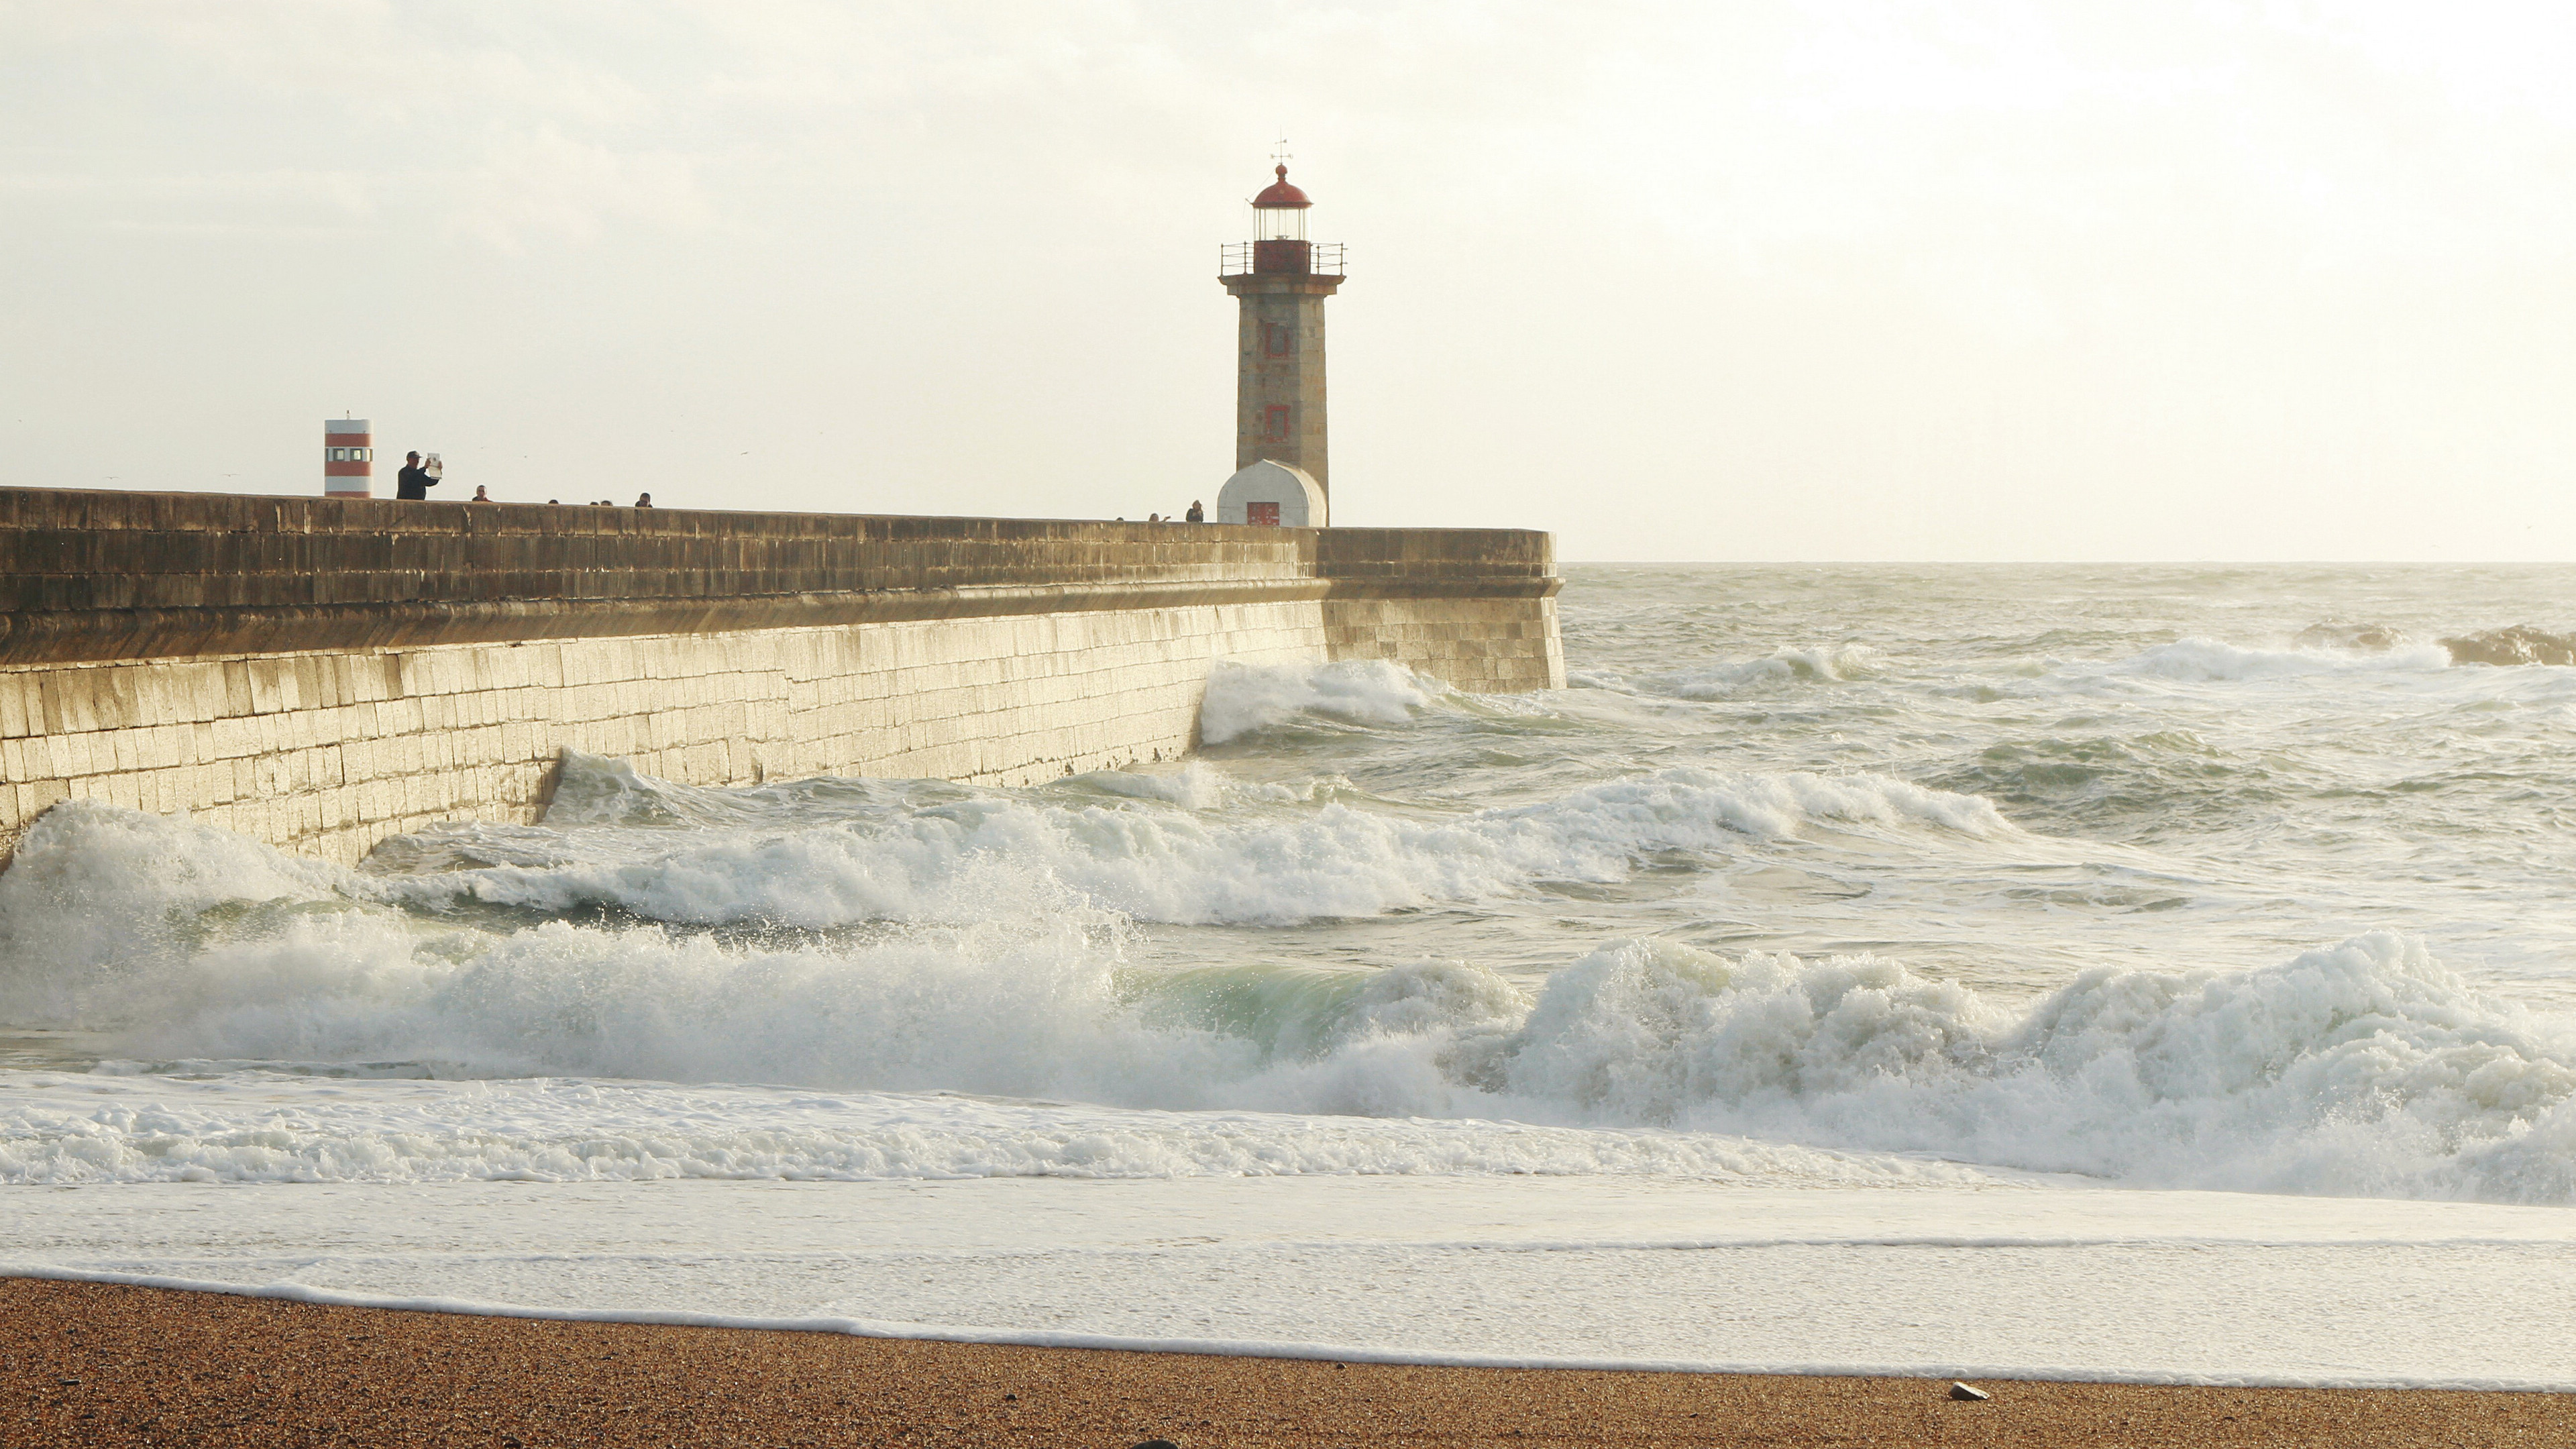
{"x": 2364, "y": 1067}
{"x": 935, "y": 853}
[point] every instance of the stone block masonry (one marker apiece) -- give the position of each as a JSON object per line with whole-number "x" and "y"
{"x": 321, "y": 674}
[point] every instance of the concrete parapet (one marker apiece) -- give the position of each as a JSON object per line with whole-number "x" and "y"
{"x": 323, "y": 673}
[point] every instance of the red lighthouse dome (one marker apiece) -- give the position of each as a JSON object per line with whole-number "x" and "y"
{"x": 1280, "y": 196}
{"x": 1279, "y": 242}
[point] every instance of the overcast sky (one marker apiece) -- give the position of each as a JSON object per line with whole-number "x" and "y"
{"x": 1677, "y": 281}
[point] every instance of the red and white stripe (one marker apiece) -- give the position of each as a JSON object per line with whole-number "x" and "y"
{"x": 348, "y": 458}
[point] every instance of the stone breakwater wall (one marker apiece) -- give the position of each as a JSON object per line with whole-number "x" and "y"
{"x": 321, "y": 674}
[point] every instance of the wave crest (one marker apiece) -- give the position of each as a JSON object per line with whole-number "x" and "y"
{"x": 2199, "y": 660}
{"x": 1785, "y": 667}
{"x": 2519, "y": 644}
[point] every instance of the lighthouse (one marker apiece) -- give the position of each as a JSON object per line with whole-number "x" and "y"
{"x": 1281, "y": 280}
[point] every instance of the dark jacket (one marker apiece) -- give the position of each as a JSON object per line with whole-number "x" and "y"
{"x": 413, "y": 484}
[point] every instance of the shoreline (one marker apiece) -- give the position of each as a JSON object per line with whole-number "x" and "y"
{"x": 1283, "y": 1350}
{"x": 109, "y": 1364}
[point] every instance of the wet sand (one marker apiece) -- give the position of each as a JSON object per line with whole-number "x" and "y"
{"x": 96, "y": 1365}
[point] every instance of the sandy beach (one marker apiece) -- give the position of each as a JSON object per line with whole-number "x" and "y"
{"x": 100, "y": 1365}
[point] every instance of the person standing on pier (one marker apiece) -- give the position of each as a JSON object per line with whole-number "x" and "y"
{"x": 413, "y": 483}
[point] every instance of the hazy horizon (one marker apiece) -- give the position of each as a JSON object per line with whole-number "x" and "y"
{"x": 2026, "y": 283}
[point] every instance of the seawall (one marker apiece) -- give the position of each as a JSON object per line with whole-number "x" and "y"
{"x": 323, "y": 673}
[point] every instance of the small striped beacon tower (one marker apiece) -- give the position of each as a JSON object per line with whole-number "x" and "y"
{"x": 348, "y": 458}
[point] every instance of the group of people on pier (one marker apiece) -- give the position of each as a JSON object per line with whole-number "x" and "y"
{"x": 415, "y": 482}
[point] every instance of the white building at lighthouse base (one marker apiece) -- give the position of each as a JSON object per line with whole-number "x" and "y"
{"x": 1271, "y": 492}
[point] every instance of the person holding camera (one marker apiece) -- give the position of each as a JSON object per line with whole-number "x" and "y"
{"x": 413, "y": 483}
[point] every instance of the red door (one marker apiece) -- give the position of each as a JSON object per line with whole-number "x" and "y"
{"x": 1264, "y": 513}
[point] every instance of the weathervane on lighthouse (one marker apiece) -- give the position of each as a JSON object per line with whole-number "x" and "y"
{"x": 1281, "y": 279}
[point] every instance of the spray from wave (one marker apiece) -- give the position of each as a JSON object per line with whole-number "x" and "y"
{"x": 1246, "y": 699}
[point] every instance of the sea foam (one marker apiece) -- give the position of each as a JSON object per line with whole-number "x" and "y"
{"x": 202, "y": 1124}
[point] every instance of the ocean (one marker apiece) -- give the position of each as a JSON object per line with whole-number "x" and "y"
{"x": 2114, "y": 972}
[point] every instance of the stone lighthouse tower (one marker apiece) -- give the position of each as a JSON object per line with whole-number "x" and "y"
{"x": 1282, "y": 279}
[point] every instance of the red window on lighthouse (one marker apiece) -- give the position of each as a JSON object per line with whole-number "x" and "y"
{"x": 1276, "y": 426}
{"x": 1276, "y": 340}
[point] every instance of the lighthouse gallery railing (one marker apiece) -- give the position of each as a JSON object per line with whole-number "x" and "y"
{"x": 1291, "y": 258}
